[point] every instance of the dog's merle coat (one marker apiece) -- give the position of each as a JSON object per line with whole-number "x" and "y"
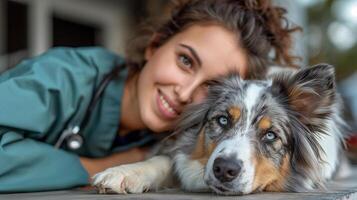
{"x": 279, "y": 134}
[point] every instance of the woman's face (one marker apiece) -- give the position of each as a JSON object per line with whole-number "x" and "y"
{"x": 176, "y": 73}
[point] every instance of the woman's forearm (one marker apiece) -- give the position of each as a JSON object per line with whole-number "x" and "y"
{"x": 95, "y": 165}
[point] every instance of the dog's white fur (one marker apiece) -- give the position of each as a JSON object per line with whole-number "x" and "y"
{"x": 191, "y": 173}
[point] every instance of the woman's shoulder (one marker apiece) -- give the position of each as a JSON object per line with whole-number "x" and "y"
{"x": 83, "y": 61}
{"x": 86, "y": 51}
{"x": 87, "y": 56}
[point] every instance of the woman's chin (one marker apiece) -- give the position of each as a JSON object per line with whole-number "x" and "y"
{"x": 158, "y": 125}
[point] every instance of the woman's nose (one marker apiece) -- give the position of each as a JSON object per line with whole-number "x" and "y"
{"x": 185, "y": 93}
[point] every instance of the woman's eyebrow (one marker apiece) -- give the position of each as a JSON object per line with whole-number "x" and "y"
{"x": 193, "y": 52}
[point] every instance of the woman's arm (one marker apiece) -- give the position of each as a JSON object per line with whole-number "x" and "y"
{"x": 27, "y": 165}
{"x": 95, "y": 165}
{"x": 38, "y": 98}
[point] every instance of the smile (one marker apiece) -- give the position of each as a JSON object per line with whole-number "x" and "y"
{"x": 166, "y": 110}
{"x": 166, "y": 105}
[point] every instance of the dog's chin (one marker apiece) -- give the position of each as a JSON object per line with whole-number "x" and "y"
{"x": 224, "y": 189}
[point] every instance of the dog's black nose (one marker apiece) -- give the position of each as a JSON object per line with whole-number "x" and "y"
{"x": 225, "y": 169}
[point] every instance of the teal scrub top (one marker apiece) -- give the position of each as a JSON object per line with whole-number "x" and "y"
{"x": 39, "y": 98}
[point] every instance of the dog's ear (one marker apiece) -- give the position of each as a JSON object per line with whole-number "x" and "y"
{"x": 193, "y": 117}
{"x": 310, "y": 92}
{"x": 309, "y": 95}
{"x": 190, "y": 123}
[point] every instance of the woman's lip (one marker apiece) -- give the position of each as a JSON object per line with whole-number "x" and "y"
{"x": 163, "y": 110}
{"x": 174, "y": 106}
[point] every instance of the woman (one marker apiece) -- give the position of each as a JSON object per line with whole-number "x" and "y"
{"x": 166, "y": 70}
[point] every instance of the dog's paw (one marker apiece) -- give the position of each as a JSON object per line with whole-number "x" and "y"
{"x": 122, "y": 179}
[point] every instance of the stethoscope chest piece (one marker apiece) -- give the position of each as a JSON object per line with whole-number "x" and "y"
{"x": 74, "y": 142}
{"x": 72, "y": 137}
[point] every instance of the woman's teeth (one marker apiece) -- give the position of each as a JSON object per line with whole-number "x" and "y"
{"x": 166, "y": 105}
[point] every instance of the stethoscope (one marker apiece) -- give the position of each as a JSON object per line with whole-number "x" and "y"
{"x": 72, "y": 134}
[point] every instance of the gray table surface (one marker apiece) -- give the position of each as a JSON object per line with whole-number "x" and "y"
{"x": 338, "y": 189}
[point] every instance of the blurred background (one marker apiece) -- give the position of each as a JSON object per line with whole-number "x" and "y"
{"x": 30, "y": 27}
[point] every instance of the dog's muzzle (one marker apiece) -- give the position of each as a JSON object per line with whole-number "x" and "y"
{"x": 226, "y": 170}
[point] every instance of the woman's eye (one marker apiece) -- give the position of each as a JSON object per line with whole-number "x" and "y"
{"x": 185, "y": 60}
{"x": 270, "y": 136}
{"x": 223, "y": 121}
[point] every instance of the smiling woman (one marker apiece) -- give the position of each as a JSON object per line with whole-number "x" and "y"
{"x": 166, "y": 69}
{"x": 176, "y": 73}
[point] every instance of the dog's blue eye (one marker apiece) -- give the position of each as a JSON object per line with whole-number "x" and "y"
{"x": 222, "y": 121}
{"x": 270, "y": 136}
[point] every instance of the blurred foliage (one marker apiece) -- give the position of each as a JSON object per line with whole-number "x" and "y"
{"x": 320, "y": 15}
{"x": 345, "y": 61}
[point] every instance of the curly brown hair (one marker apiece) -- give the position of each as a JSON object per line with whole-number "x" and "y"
{"x": 261, "y": 29}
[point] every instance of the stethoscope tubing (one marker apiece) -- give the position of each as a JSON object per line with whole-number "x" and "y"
{"x": 74, "y": 131}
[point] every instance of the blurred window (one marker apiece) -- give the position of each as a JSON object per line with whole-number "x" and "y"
{"x": 16, "y": 26}
{"x": 74, "y": 34}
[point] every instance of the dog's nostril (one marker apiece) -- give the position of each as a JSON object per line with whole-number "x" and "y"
{"x": 225, "y": 169}
{"x": 232, "y": 172}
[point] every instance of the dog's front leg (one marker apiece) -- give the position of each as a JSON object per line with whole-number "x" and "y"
{"x": 139, "y": 177}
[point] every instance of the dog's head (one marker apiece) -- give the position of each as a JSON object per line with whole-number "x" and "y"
{"x": 261, "y": 135}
